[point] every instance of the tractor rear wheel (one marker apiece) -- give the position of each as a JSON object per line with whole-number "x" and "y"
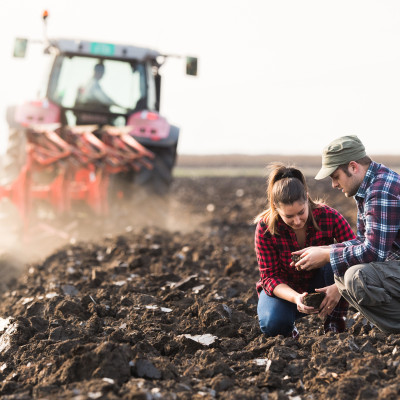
{"x": 158, "y": 180}
{"x": 11, "y": 164}
{"x": 15, "y": 156}
{"x": 142, "y": 197}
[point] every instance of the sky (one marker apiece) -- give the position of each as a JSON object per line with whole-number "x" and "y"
{"x": 274, "y": 77}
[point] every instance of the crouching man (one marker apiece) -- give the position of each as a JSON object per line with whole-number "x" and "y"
{"x": 367, "y": 269}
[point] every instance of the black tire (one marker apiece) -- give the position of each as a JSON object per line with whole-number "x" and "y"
{"x": 141, "y": 198}
{"x": 159, "y": 179}
{"x": 11, "y": 164}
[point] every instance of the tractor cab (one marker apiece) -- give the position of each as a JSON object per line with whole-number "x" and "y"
{"x": 101, "y": 83}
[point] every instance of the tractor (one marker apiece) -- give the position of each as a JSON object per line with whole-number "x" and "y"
{"x": 95, "y": 136}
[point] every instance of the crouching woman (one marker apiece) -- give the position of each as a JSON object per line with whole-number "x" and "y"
{"x": 293, "y": 221}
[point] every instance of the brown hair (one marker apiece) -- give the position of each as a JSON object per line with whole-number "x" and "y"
{"x": 286, "y": 184}
{"x": 362, "y": 161}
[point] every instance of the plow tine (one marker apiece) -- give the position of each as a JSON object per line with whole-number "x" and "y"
{"x": 97, "y": 144}
{"x": 137, "y": 164}
{"x": 87, "y": 148}
{"x": 130, "y": 141}
{"x": 83, "y": 128}
{"x": 123, "y": 133}
{"x": 46, "y": 146}
{"x": 124, "y": 150}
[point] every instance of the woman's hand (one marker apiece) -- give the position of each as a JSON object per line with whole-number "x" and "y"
{"x": 302, "y": 307}
{"x": 332, "y": 297}
{"x": 312, "y": 258}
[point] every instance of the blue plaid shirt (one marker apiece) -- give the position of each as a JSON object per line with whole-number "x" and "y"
{"x": 378, "y": 222}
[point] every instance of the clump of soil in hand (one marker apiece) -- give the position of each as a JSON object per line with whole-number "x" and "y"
{"x": 313, "y": 299}
{"x": 295, "y": 258}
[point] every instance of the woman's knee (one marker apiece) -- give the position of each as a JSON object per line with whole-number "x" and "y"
{"x": 275, "y": 315}
{"x": 274, "y": 326}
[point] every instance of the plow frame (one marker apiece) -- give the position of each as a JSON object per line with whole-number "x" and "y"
{"x": 79, "y": 162}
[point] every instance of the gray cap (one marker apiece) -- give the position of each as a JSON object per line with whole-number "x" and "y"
{"x": 340, "y": 151}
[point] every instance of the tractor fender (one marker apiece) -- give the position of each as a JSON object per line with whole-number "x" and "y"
{"x": 35, "y": 112}
{"x": 170, "y": 141}
{"x": 151, "y": 129}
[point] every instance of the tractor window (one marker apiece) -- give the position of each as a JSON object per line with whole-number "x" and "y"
{"x": 119, "y": 86}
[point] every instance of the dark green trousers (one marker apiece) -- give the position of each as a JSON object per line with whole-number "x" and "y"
{"x": 374, "y": 290}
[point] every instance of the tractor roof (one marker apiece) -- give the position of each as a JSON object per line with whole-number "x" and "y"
{"x": 101, "y": 49}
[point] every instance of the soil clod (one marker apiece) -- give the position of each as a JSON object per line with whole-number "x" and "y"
{"x": 313, "y": 299}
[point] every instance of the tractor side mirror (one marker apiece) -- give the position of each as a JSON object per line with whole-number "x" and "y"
{"x": 20, "y": 46}
{"x": 191, "y": 66}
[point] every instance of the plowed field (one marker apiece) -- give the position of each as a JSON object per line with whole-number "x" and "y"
{"x": 168, "y": 311}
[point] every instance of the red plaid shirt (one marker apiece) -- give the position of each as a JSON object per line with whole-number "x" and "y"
{"x": 274, "y": 252}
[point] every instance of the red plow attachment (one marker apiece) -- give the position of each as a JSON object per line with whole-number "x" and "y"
{"x": 72, "y": 165}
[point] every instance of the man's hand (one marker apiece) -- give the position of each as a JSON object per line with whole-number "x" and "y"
{"x": 302, "y": 307}
{"x": 312, "y": 258}
{"x": 332, "y": 297}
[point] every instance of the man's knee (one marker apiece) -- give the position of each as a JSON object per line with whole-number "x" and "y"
{"x": 364, "y": 284}
{"x": 353, "y": 280}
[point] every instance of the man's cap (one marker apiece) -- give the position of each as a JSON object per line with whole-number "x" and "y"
{"x": 340, "y": 151}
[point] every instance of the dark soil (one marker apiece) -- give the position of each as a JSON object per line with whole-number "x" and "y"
{"x": 152, "y": 313}
{"x": 313, "y": 299}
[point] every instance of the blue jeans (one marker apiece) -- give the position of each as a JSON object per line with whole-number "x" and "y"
{"x": 276, "y": 316}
